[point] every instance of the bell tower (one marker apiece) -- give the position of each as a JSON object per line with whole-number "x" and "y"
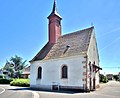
{"x": 54, "y": 26}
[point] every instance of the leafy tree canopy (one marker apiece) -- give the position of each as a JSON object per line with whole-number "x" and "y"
{"x": 14, "y": 67}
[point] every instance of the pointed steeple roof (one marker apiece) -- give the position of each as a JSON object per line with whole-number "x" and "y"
{"x": 54, "y": 7}
{"x": 54, "y": 11}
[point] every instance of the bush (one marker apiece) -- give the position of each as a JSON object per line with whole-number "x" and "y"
{"x": 103, "y": 79}
{"x": 116, "y": 77}
{"x": 5, "y": 81}
{"x": 1, "y": 76}
{"x": 20, "y": 82}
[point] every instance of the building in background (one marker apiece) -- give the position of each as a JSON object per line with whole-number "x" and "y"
{"x": 109, "y": 76}
{"x": 26, "y": 72}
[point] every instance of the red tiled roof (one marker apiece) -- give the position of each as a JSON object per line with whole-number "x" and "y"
{"x": 67, "y": 45}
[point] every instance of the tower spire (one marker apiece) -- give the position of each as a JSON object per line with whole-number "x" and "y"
{"x": 54, "y": 10}
{"x": 54, "y": 26}
{"x": 54, "y": 7}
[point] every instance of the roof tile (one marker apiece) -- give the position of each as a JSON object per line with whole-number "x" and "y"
{"x": 78, "y": 43}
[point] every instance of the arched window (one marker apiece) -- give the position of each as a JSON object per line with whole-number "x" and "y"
{"x": 64, "y": 71}
{"x": 39, "y": 72}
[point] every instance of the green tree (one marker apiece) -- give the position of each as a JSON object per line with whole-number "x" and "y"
{"x": 14, "y": 66}
{"x": 116, "y": 77}
{"x": 103, "y": 78}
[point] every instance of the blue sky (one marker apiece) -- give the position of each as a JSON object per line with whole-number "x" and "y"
{"x": 24, "y": 27}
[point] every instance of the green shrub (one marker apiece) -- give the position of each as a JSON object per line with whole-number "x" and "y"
{"x": 20, "y": 82}
{"x": 116, "y": 77}
{"x": 5, "y": 81}
{"x": 103, "y": 79}
{"x": 1, "y": 76}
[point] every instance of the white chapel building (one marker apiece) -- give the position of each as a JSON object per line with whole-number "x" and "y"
{"x": 68, "y": 61}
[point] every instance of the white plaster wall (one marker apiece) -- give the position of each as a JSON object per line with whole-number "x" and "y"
{"x": 32, "y": 74}
{"x": 93, "y": 55}
{"x": 92, "y": 50}
{"x": 51, "y": 71}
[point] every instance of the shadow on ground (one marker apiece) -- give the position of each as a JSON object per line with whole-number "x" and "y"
{"x": 55, "y": 91}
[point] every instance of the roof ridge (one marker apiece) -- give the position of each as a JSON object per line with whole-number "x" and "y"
{"x": 78, "y": 31}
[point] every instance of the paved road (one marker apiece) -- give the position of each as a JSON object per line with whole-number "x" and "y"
{"x": 109, "y": 90}
{"x": 7, "y": 91}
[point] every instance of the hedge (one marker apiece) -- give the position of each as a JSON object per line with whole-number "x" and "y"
{"x": 20, "y": 82}
{"x": 1, "y": 76}
{"x": 103, "y": 79}
{"x": 5, "y": 81}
